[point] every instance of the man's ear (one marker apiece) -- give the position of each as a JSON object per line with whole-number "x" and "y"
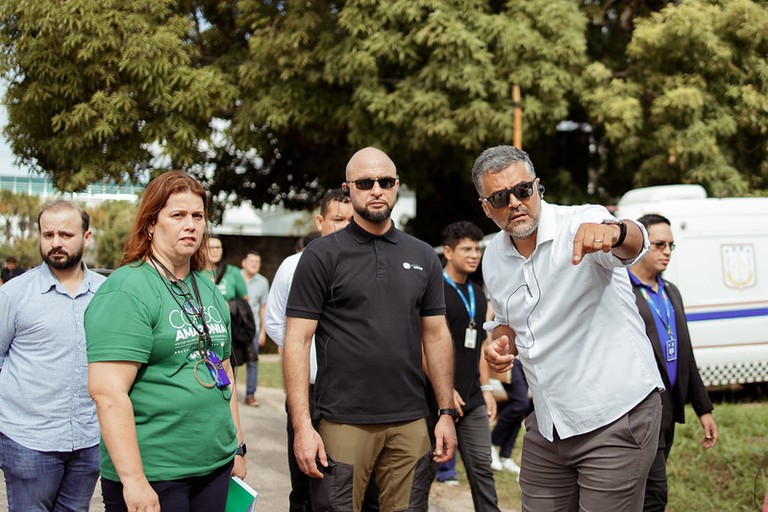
{"x": 485, "y": 208}
{"x": 447, "y": 252}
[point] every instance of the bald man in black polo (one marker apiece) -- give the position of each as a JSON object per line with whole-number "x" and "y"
{"x": 374, "y": 296}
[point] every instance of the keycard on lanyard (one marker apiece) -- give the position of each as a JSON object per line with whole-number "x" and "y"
{"x": 217, "y": 370}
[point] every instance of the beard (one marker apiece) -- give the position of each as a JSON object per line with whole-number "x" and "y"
{"x": 377, "y": 217}
{"x": 67, "y": 262}
{"x": 522, "y": 230}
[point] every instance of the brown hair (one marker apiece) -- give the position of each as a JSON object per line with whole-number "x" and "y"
{"x": 154, "y": 199}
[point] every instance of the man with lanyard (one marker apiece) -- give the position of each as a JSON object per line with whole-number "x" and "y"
{"x": 466, "y": 308}
{"x": 661, "y": 307}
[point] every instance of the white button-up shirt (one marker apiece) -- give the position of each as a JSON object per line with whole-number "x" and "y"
{"x": 579, "y": 336}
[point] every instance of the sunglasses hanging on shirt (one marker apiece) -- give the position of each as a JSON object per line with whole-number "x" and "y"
{"x": 192, "y": 307}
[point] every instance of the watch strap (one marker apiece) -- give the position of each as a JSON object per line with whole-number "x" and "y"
{"x": 450, "y": 412}
{"x": 241, "y": 450}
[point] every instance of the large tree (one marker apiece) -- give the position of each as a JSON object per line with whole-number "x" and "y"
{"x": 692, "y": 106}
{"x": 97, "y": 89}
{"x": 266, "y": 100}
{"x": 429, "y": 82}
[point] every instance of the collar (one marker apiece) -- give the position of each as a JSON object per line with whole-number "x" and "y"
{"x": 637, "y": 282}
{"x": 362, "y": 236}
{"x": 48, "y": 280}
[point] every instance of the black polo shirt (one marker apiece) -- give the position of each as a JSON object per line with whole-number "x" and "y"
{"x": 368, "y": 294}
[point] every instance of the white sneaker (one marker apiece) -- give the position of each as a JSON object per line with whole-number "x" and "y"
{"x": 495, "y": 460}
{"x": 509, "y": 465}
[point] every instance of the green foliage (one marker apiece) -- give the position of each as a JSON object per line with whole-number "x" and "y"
{"x": 93, "y": 85}
{"x": 111, "y": 224}
{"x": 429, "y": 82}
{"x": 266, "y": 101}
{"x": 693, "y": 105}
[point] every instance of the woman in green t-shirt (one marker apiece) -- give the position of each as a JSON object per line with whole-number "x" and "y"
{"x": 158, "y": 346}
{"x": 227, "y": 277}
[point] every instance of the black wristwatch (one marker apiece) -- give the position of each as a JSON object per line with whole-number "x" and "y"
{"x": 622, "y": 230}
{"x": 241, "y": 450}
{"x": 450, "y": 412}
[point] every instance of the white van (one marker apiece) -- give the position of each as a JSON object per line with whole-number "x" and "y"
{"x": 720, "y": 265}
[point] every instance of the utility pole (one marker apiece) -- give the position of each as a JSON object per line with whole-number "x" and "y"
{"x": 517, "y": 136}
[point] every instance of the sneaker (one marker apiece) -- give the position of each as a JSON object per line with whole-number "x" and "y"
{"x": 509, "y": 465}
{"x": 251, "y": 401}
{"x": 495, "y": 460}
{"x": 451, "y": 480}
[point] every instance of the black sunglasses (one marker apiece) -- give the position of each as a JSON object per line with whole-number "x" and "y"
{"x": 521, "y": 191}
{"x": 367, "y": 183}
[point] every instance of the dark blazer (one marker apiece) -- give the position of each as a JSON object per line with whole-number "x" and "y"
{"x": 688, "y": 385}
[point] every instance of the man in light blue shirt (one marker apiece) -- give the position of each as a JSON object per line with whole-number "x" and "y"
{"x": 49, "y": 435}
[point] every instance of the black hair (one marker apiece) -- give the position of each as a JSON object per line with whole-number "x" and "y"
{"x": 334, "y": 194}
{"x": 650, "y": 219}
{"x": 458, "y": 231}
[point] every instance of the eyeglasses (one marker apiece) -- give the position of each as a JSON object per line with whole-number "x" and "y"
{"x": 521, "y": 191}
{"x": 660, "y": 246}
{"x": 190, "y": 305}
{"x": 367, "y": 183}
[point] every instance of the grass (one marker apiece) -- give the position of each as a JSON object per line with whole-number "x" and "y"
{"x": 729, "y": 477}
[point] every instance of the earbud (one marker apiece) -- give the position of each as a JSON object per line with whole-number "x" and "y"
{"x": 541, "y": 190}
{"x": 345, "y": 191}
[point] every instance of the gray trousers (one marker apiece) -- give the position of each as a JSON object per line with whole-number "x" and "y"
{"x": 603, "y": 470}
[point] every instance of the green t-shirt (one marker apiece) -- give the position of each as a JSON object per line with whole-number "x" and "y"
{"x": 184, "y": 429}
{"x": 232, "y": 284}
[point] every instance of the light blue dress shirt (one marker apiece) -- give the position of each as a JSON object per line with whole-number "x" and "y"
{"x": 44, "y": 400}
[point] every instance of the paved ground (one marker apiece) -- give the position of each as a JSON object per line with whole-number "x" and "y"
{"x": 264, "y": 430}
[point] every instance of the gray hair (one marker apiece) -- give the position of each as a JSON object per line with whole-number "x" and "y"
{"x": 496, "y": 159}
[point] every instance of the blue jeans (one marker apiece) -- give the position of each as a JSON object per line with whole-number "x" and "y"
{"x": 252, "y": 371}
{"x": 48, "y": 481}
{"x": 447, "y": 470}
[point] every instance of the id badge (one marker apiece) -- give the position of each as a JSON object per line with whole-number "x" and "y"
{"x": 217, "y": 370}
{"x": 671, "y": 350}
{"x": 470, "y": 338}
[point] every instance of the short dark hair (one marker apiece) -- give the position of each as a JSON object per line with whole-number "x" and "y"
{"x": 252, "y": 253}
{"x": 334, "y": 194}
{"x": 458, "y": 231}
{"x": 650, "y": 219}
{"x": 10, "y": 259}
{"x": 65, "y": 205}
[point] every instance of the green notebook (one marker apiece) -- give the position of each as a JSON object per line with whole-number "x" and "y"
{"x": 242, "y": 497}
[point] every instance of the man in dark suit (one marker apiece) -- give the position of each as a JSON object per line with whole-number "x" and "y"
{"x": 661, "y": 307}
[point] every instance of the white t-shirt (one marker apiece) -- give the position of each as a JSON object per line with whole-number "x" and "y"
{"x": 579, "y": 336}
{"x": 274, "y": 317}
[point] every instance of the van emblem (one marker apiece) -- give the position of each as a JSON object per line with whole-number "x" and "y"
{"x": 738, "y": 265}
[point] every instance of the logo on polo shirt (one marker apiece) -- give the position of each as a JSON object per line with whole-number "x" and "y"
{"x": 409, "y": 266}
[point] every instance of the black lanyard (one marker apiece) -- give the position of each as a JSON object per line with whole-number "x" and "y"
{"x": 203, "y": 335}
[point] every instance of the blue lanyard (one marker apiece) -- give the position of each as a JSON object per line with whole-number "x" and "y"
{"x": 666, "y": 320}
{"x": 469, "y": 304}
